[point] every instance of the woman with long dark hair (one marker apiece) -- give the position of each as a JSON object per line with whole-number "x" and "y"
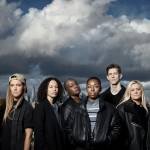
{"x": 48, "y": 133}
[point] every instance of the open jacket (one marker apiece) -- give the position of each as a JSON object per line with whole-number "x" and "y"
{"x": 136, "y": 128}
{"x": 77, "y": 125}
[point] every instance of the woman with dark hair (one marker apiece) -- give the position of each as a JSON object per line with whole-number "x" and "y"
{"x": 18, "y": 117}
{"x": 48, "y": 133}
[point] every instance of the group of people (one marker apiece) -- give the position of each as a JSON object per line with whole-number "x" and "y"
{"x": 117, "y": 118}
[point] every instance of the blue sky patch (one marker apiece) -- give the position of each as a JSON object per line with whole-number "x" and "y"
{"x": 131, "y": 8}
{"x": 26, "y": 4}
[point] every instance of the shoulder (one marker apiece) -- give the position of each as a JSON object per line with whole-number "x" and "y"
{"x": 106, "y": 105}
{"x": 40, "y": 106}
{"x": 105, "y": 91}
{"x": 123, "y": 89}
{"x": 67, "y": 104}
{"x": 126, "y": 106}
{"x": 67, "y": 109}
{"x": 121, "y": 106}
{"x": 27, "y": 105}
{"x": 28, "y": 111}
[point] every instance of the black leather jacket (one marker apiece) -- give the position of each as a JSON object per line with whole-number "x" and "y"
{"x": 136, "y": 126}
{"x": 77, "y": 125}
{"x": 148, "y": 134}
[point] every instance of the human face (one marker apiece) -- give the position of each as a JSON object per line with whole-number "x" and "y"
{"x": 16, "y": 88}
{"x": 93, "y": 89}
{"x": 72, "y": 88}
{"x": 114, "y": 76}
{"x": 136, "y": 92}
{"x": 52, "y": 90}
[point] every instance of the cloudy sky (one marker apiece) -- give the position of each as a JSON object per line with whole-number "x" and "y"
{"x": 74, "y": 38}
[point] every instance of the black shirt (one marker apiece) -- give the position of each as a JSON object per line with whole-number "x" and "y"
{"x": 6, "y": 135}
{"x": 113, "y": 99}
{"x": 7, "y": 127}
{"x": 6, "y": 131}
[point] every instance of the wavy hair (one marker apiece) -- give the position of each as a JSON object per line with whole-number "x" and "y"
{"x": 43, "y": 89}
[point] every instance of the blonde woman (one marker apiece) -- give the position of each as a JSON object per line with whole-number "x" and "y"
{"x": 134, "y": 112}
{"x": 17, "y": 121}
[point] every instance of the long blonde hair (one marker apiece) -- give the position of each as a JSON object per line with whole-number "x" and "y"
{"x": 127, "y": 95}
{"x": 9, "y": 101}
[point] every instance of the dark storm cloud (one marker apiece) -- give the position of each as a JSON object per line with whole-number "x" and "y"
{"x": 15, "y": 63}
{"x": 56, "y": 66}
{"x": 60, "y": 67}
{"x": 137, "y": 74}
{"x": 80, "y": 67}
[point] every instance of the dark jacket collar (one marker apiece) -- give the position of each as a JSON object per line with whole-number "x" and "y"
{"x": 131, "y": 106}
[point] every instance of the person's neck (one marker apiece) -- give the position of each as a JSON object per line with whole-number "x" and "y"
{"x": 16, "y": 99}
{"x": 115, "y": 88}
{"x": 50, "y": 99}
{"x": 93, "y": 100}
{"x": 76, "y": 98}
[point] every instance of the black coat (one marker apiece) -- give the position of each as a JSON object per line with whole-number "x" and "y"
{"x": 136, "y": 125}
{"x": 107, "y": 129}
{"x": 148, "y": 134}
{"x": 48, "y": 134}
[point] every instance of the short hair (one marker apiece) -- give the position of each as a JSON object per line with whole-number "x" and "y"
{"x": 94, "y": 78}
{"x": 70, "y": 79}
{"x": 113, "y": 66}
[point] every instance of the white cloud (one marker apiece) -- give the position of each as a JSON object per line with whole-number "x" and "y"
{"x": 9, "y": 16}
{"x": 76, "y": 29}
{"x": 141, "y": 26}
{"x": 55, "y": 26}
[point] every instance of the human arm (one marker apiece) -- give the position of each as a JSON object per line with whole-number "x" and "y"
{"x": 27, "y": 138}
